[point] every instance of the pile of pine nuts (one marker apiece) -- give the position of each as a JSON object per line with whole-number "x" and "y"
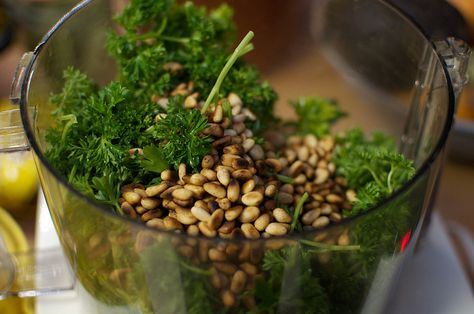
{"x": 238, "y": 191}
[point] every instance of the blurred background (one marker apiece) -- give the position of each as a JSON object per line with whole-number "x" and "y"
{"x": 24, "y": 22}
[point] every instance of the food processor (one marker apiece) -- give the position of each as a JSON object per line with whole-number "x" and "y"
{"x": 365, "y": 54}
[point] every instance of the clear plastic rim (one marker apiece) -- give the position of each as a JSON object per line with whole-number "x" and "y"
{"x": 105, "y": 210}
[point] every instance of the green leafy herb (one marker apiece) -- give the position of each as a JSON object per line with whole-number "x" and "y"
{"x": 153, "y": 159}
{"x": 372, "y": 166}
{"x": 180, "y": 135}
{"x": 315, "y": 116}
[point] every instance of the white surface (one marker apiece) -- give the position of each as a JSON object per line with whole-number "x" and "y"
{"x": 432, "y": 283}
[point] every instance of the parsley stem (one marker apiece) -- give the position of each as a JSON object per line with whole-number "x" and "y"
{"x": 389, "y": 179}
{"x": 285, "y": 179}
{"x": 241, "y": 49}
{"x": 330, "y": 247}
{"x": 194, "y": 269}
{"x": 158, "y": 35}
{"x": 376, "y": 178}
{"x": 298, "y": 210}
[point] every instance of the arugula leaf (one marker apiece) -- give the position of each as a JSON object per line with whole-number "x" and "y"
{"x": 153, "y": 159}
{"x": 315, "y": 115}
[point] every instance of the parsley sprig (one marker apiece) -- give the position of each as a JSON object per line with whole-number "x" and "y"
{"x": 372, "y": 166}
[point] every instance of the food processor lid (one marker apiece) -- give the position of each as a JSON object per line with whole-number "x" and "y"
{"x": 452, "y": 54}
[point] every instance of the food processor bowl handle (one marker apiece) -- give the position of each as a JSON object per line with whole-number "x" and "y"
{"x": 12, "y": 134}
{"x": 455, "y": 54}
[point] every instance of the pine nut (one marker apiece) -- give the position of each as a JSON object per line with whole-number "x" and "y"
{"x": 181, "y": 171}
{"x": 205, "y": 230}
{"x": 190, "y": 102}
{"x": 262, "y": 222}
{"x": 327, "y": 143}
{"x": 236, "y": 110}
{"x": 132, "y": 198}
{"x": 140, "y": 192}
{"x": 209, "y": 174}
{"x": 224, "y": 203}
{"x": 257, "y": 152}
{"x": 149, "y": 203}
{"x": 197, "y": 191}
{"x": 326, "y": 209}
{"x": 344, "y": 239}
{"x": 285, "y": 198}
{"x": 227, "y": 227}
{"x": 218, "y": 114}
{"x": 233, "y": 190}
{"x": 351, "y": 196}
{"x": 240, "y": 163}
{"x": 334, "y": 199}
{"x": 129, "y": 210}
{"x": 200, "y": 213}
{"x": 313, "y": 160}
{"x": 311, "y": 141}
{"x": 216, "y": 219}
{"x": 253, "y": 198}
{"x": 321, "y": 175}
{"x": 155, "y": 223}
{"x": 249, "y": 214}
{"x": 230, "y": 132}
{"x": 233, "y": 213}
{"x": 235, "y": 149}
{"x": 270, "y": 190}
{"x": 193, "y": 230}
{"x": 249, "y": 231}
{"x": 281, "y": 215}
{"x": 154, "y": 213}
{"x": 223, "y": 141}
{"x": 276, "y": 229}
{"x": 234, "y": 100}
{"x": 215, "y": 189}
{"x": 250, "y": 269}
{"x": 228, "y": 299}
{"x": 287, "y": 188}
{"x": 238, "y": 282}
{"x": 185, "y": 216}
{"x": 290, "y": 155}
{"x": 296, "y": 168}
{"x": 321, "y": 222}
{"x": 217, "y": 256}
{"x": 336, "y": 217}
{"x": 303, "y": 153}
{"x": 248, "y": 186}
{"x": 227, "y": 159}
{"x": 300, "y": 179}
{"x": 168, "y": 193}
{"x": 182, "y": 194}
{"x": 248, "y": 144}
{"x": 223, "y": 176}
{"x": 226, "y": 268}
{"x": 331, "y": 167}
{"x": 207, "y": 162}
{"x": 168, "y": 175}
{"x": 171, "y": 223}
{"x": 242, "y": 174}
{"x": 157, "y": 189}
{"x": 239, "y": 127}
{"x": 309, "y": 217}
